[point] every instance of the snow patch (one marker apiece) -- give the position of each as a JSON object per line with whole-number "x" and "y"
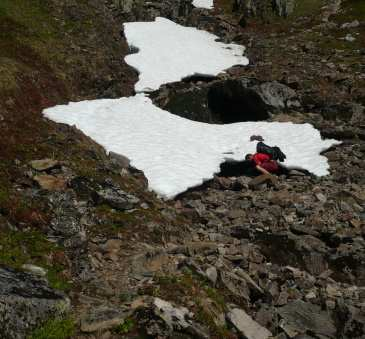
{"x": 203, "y": 4}
{"x": 176, "y": 153}
{"x": 168, "y": 52}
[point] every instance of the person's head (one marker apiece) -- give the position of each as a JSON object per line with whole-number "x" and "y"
{"x": 249, "y": 156}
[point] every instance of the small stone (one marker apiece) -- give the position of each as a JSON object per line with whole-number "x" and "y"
{"x": 283, "y": 298}
{"x": 321, "y": 197}
{"x": 352, "y": 24}
{"x": 112, "y": 245}
{"x": 349, "y": 38}
{"x": 310, "y": 296}
{"x": 330, "y": 304}
{"x": 35, "y": 270}
{"x": 212, "y": 274}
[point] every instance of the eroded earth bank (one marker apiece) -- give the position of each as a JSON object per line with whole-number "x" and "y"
{"x": 86, "y": 251}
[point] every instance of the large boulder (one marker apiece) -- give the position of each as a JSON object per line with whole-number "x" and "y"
{"x": 264, "y": 8}
{"x": 299, "y": 317}
{"x": 141, "y": 10}
{"x": 26, "y": 301}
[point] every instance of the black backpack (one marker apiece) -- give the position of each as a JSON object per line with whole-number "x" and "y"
{"x": 274, "y": 152}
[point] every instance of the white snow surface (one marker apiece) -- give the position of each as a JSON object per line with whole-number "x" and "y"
{"x": 203, "y": 4}
{"x": 168, "y": 52}
{"x": 176, "y": 153}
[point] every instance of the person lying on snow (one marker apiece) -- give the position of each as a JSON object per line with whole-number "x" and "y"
{"x": 265, "y": 158}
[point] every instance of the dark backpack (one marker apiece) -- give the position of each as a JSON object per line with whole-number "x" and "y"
{"x": 274, "y": 152}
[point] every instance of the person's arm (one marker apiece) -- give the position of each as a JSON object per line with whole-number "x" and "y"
{"x": 262, "y": 170}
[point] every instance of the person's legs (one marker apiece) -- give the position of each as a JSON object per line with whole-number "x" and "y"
{"x": 270, "y": 166}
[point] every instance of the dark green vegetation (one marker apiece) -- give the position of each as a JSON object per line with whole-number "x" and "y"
{"x": 32, "y": 247}
{"x": 127, "y": 326}
{"x": 55, "y": 329}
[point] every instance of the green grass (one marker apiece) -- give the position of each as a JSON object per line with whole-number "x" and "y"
{"x": 307, "y": 7}
{"x": 18, "y": 248}
{"x": 127, "y": 326}
{"x": 30, "y": 18}
{"x": 351, "y": 10}
{"x": 55, "y": 329}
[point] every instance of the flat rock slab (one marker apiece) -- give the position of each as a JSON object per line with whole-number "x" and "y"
{"x": 300, "y": 317}
{"x": 247, "y": 327}
{"x": 50, "y": 182}
{"x": 102, "y": 318}
{"x": 263, "y": 179}
{"x": 26, "y": 301}
{"x": 44, "y": 164}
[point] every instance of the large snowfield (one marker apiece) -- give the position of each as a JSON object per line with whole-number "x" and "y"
{"x": 176, "y": 153}
{"x": 203, "y": 4}
{"x": 169, "y": 52}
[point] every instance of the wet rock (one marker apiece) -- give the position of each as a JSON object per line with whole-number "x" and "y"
{"x": 299, "y": 317}
{"x": 26, "y": 301}
{"x": 102, "y": 318}
{"x": 246, "y": 326}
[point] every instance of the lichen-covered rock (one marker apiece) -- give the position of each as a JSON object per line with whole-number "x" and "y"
{"x": 300, "y": 317}
{"x": 117, "y": 198}
{"x": 265, "y": 8}
{"x": 25, "y": 302}
{"x": 141, "y": 10}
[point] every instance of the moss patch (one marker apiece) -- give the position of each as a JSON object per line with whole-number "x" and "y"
{"x": 55, "y": 329}
{"x": 18, "y": 248}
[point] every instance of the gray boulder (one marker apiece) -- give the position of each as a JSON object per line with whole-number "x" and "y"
{"x": 299, "y": 317}
{"x": 276, "y": 94}
{"x": 116, "y": 198}
{"x": 264, "y": 8}
{"x": 26, "y": 301}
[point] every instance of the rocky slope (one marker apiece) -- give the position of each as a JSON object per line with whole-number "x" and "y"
{"x": 87, "y": 252}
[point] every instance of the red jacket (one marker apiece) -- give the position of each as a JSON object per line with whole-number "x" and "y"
{"x": 265, "y": 162}
{"x": 260, "y": 158}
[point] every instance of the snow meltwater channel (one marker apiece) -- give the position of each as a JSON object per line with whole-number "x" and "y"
{"x": 176, "y": 153}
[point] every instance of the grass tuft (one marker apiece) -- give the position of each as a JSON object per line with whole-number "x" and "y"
{"x": 55, "y": 329}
